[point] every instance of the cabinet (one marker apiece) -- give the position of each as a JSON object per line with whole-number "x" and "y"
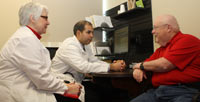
{"x": 106, "y": 29}
{"x": 138, "y": 23}
{"x": 131, "y": 12}
{"x": 102, "y": 47}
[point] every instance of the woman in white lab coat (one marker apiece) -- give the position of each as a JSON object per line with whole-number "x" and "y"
{"x": 24, "y": 62}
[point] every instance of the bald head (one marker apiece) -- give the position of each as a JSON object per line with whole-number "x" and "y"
{"x": 165, "y": 28}
{"x": 170, "y": 20}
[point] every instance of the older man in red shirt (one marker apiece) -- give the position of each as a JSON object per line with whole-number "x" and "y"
{"x": 175, "y": 65}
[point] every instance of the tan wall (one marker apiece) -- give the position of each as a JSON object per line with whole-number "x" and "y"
{"x": 62, "y": 21}
{"x": 9, "y": 18}
{"x": 63, "y": 14}
{"x": 112, "y": 3}
{"x": 186, "y": 12}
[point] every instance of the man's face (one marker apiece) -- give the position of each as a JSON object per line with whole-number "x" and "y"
{"x": 85, "y": 37}
{"x": 160, "y": 33}
{"x": 41, "y": 24}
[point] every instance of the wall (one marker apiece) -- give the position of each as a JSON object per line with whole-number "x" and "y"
{"x": 9, "y": 18}
{"x": 186, "y": 12}
{"x": 112, "y": 3}
{"x": 60, "y": 15}
{"x": 63, "y": 14}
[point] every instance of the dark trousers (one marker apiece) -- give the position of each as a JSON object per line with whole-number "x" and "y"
{"x": 170, "y": 93}
{"x": 92, "y": 93}
{"x": 102, "y": 91}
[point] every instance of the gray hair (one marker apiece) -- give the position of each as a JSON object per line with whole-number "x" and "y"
{"x": 28, "y": 9}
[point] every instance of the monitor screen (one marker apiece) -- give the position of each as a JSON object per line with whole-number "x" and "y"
{"x": 121, "y": 40}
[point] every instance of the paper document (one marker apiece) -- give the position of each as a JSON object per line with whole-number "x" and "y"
{"x": 103, "y": 50}
{"x": 100, "y": 21}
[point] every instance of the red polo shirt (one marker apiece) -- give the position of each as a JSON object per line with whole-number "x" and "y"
{"x": 183, "y": 51}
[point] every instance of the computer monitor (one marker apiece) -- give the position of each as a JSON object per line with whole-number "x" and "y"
{"x": 121, "y": 40}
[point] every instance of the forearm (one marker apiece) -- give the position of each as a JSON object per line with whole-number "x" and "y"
{"x": 158, "y": 65}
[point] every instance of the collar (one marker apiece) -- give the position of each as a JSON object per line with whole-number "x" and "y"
{"x": 36, "y": 33}
{"x": 80, "y": 45}
{"x": 174, "y": 38}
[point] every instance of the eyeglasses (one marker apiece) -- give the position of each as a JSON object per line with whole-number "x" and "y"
{"x": 156, "y": 27}
{"x": 45, "y": 17}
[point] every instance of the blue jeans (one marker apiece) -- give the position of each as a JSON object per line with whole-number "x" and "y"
{"x": 178, "y": 93}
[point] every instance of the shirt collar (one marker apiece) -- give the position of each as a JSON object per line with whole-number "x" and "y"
{"x": 36, "y": 33}
{"x": 173, "y": 39}
{"x": 81, "y": 45}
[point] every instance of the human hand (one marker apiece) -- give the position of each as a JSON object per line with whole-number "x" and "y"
{"x": 118, "y": 65}
{"x": 138, "y": 74}
{"x": 123, "y": 64}
{"x": 73, "y": 89}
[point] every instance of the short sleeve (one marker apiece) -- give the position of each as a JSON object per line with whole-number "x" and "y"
{"x": 183, "y": 51}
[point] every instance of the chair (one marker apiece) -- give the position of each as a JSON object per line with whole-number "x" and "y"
{"x": 196, "y": 97}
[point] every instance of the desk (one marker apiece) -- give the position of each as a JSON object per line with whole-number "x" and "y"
{"x": 121, "y": 80}
{"x": 111, "y": 74}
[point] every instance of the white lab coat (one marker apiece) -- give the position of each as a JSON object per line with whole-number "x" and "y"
{"x": 70, "y": 57}
{"x": 25, "y": 70}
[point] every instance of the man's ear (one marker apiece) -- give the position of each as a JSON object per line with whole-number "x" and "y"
{"x": 78, "y": 32}
{"x": 169, "y": 28}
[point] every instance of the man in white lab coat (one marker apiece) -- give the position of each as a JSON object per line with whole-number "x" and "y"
{"x": 75, "y": 56}
{"x": 25, "y": 63}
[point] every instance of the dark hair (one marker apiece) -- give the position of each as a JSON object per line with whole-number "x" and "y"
{"x": 80, "y": 26}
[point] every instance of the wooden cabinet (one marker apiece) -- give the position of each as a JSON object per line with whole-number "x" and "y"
{"x": 139, "y": 23}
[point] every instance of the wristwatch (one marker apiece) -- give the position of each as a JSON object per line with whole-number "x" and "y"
{"x": 141, "y": 66}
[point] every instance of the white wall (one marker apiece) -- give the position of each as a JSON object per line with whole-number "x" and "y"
{"x": 63, "y": 14}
